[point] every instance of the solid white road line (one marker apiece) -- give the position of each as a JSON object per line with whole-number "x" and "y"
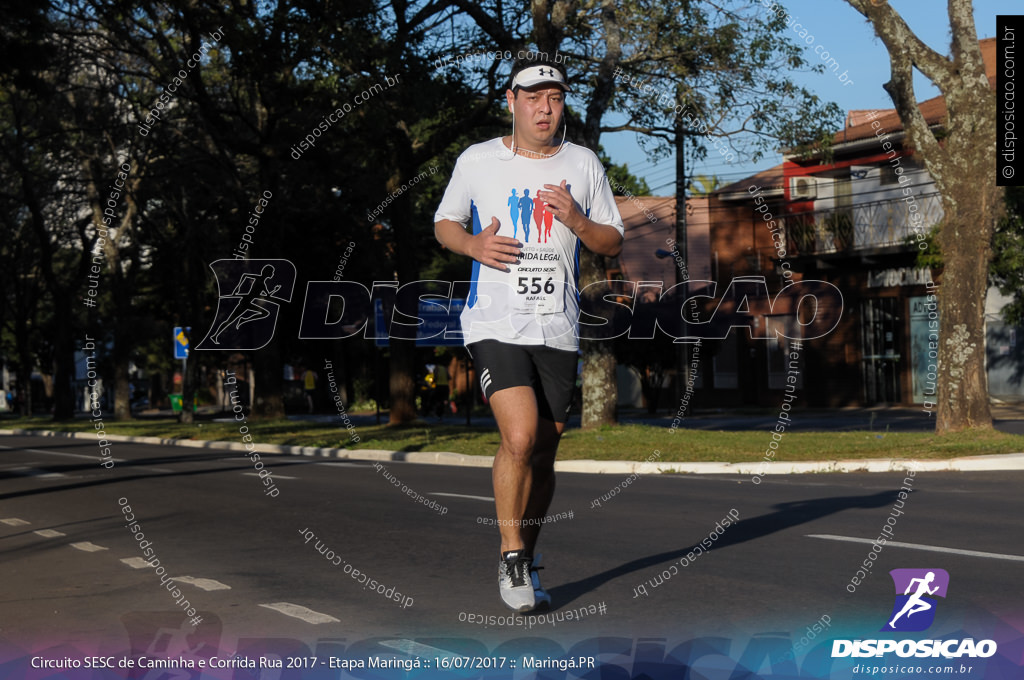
{"x": 86, "y": 546}
{"x": 276, "y": 476}
{"x": 137, "y": 563}
{"x": 48, "y": 533}
{"x": 14, "y": 522}
{"x": 300, "y": 612}
{"x": 460, "y": 495}
{"x": 58, "y": 453}
{"x": 202, "y": 583}
{"x": 916, "y": 546}
{"x": 35, "y": 472}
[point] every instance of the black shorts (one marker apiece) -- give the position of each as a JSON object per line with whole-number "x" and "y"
{"x": 550, "y": 372}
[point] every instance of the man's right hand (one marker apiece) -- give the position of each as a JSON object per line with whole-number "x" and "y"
{"x": 492, "y": 250}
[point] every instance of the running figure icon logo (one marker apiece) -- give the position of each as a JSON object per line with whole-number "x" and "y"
{"x": 914, "y": 609}
{"x": 247, "y": 315}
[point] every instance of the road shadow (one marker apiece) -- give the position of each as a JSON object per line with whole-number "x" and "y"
{"x": 131, "y": 470}
{"x": 785, "y": 516}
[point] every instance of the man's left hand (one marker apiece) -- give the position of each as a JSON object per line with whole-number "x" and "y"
{"x": 559, "y": 202}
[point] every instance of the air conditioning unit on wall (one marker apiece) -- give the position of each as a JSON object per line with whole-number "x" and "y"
{"x": 802, "y": 188}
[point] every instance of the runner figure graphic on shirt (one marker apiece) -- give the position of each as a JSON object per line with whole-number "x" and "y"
{"x": 513, "y": 210}
{"x": 549, "y": 218}
{"x": 525, "y": 208}
{"x": 915, "y": 604}
{"x": 249, "y": 302}
{"x": 542, "y": 215}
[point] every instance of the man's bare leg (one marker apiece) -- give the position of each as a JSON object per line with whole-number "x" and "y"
{"x": 515, "y": 409}
{"x": 543, "y": 483}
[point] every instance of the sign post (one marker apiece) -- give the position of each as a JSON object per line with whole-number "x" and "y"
{"x": 180, "y": 339}
{"x": 181, "y": 342}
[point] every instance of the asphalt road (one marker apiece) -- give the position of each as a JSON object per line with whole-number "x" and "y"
{"x": 71, "y": 569}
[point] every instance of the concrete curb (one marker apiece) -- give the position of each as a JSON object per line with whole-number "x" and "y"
{"x": 1006, "y": 461}
{"x": 1009, "y": 461}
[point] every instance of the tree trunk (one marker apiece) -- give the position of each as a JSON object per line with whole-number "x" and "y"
{"x": 23, "y": 372}
{"x": 122, "y": 384}
{"x": 963, "y": 167}
{"x": 24, "y": 398}
{"x": 971, "y": 209}
{"x": 122, "y": 269}
{"x": 963, "y": 381}
{"x": 267, "y": 363}
{"x": 402, "y": 386}
{"x": 600, "y": 389}
{"x": 64, "y": 362}
{"x": 123, "y": 340}
{"x": 189, "y": 381}
{"x": 402, "y": 382}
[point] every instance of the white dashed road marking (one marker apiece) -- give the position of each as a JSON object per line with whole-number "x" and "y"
{"x": 300, "y": 612}
{"x": 460, "y": 495}
{"x": 202, "y": 583}
{"x": 86, "y": 546}
{"x": 928, "y": 548}
{"x": 48, "y": 533}
{"x": 14, "y": 522}
{"x": 415, "y": 648}
{"x": 137, "y": 563}
{"x": 276, "y": 476}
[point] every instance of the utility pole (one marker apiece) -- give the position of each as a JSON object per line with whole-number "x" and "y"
{"x": 682, "y": 360}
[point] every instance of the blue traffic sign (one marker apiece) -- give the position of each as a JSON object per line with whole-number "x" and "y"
{"x": 181, "y": 341}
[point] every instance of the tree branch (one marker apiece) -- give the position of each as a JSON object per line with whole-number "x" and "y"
{"x": 966, "y": 54}
{"x": 905, "y": 49}
{"x": 490, "y": 25}
{"x": 897, "y": 37}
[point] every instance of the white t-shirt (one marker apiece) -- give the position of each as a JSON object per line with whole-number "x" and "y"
{"x": 537, "y": 301}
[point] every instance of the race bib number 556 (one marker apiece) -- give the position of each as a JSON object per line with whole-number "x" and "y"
{"x": 537, "y": 284}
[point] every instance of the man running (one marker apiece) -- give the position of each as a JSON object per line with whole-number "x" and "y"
{"x": 521, "y": 319}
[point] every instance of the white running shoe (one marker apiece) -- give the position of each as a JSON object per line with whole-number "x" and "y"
{"x": 514, "y": 581}
{"x": 542, "y": 600}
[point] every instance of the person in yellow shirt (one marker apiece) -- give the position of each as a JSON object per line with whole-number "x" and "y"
{"x": 309, "y": 379}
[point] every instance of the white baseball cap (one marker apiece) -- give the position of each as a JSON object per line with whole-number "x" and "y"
{"x": 535, "y": 75}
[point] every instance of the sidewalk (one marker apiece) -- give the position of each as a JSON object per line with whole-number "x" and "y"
{"x": 1007, "y": 418}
